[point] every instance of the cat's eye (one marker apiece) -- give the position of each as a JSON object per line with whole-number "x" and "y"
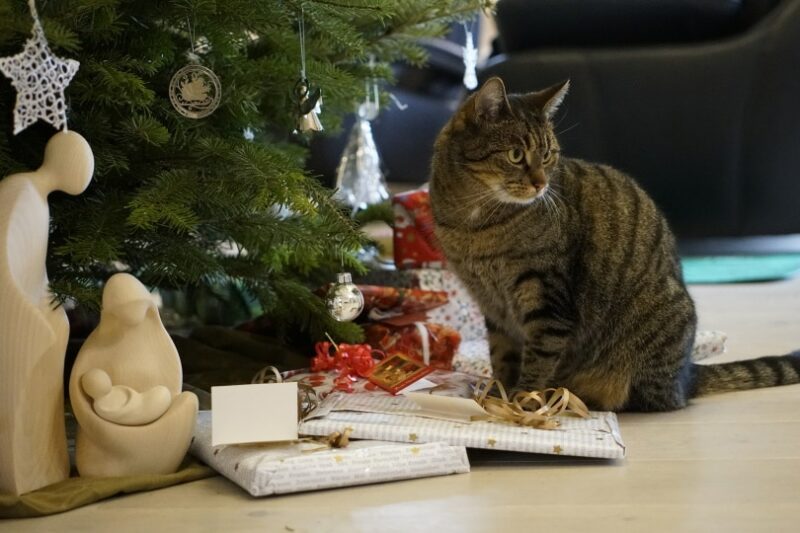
{"x": 515, "y": 155}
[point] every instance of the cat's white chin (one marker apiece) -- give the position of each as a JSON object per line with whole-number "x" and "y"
{"x": 508, "y": 198}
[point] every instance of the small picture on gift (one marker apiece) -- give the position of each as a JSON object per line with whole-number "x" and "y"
{"x": 397, "y": 372}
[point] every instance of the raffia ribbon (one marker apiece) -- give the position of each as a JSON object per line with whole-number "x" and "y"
{"x": 536, "y": 409}
{"x": 268, "y": 374}
{"x": 337, "y": 439}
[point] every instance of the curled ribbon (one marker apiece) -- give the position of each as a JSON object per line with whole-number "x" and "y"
{"x": 350, "y": 360}
{"x": 536, "y": 409}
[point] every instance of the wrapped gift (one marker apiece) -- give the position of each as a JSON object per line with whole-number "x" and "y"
{"x": 473, "y": 358}
{"x": 280, "y": 468}
{"x": 384, "y": 302}
{"x": 708, "y": 344}
{"x": 400, "y": 419}
{"x": 462, "y": 313}
{"x": 325, "y": 383}
{"x": 400, "y": 324}
{"x": 415, "y": 244}
{"x": 433, "y": 344}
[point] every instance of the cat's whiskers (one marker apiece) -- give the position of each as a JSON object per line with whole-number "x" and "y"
{"x": 552, "y": 208}
{"x": 541, "y": 203}
{"x": 489, "y": 216}
{"x": 557, "y": 192}
{"x": 560, "y": 120}
{"x": 477, "y": 211}
{"x": 562, "y": 132}
{"x": 556, "y": 195}
{"x": 473, "y": 204}
{"x": 476, "y": 194}
{"x": 474, "y": 200}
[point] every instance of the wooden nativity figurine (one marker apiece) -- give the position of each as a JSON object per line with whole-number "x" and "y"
{"x": 33, "y": 328}
{"x": 125, "y": 389}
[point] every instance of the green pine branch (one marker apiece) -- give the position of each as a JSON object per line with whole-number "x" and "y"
{"x": 191, "y": 204}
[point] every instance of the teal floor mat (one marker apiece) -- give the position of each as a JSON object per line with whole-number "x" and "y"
{"x": 740, "y": 268}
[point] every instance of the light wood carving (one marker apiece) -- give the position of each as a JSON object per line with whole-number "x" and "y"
{"x": 131, "y": 357}
{"x": 121, "y": 404}
{"x": 33, "y": 332}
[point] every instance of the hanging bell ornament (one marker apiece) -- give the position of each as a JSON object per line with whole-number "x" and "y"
{"x": 307, "y": 98}
{"x": 344, "y": 300}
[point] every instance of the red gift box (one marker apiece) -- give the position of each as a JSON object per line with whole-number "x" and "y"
{"x": 415, "y": 244}
{"x": 398, "y": 305}
{"x": 440, "y": 342}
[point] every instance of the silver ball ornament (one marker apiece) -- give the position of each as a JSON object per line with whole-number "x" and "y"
{"x": 344, "y": 300}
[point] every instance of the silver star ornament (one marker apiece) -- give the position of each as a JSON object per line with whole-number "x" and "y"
{"x": 40, "y": 79}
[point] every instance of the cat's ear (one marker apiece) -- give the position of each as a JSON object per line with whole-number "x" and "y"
{"x": 548, "y": 100}
{"x": 490, "y": 100}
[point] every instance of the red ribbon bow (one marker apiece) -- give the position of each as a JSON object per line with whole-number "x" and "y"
{"x": 350, "y": 360}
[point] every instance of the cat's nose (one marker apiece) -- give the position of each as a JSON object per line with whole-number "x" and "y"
{"x": 538, "y": 178}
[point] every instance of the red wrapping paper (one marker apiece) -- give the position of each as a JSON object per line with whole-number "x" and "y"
{"x": 443, "y": 342}
{"x": 415, "y": 244}
{"x": 400, "y": 306}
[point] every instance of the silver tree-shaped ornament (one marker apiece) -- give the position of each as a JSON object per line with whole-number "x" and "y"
{"x": 359, "y": 179}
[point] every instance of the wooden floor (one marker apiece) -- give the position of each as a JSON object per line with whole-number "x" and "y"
{"x": 727, "y": 463}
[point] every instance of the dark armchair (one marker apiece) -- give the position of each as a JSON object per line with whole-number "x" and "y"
{"x": 700, "y": 101}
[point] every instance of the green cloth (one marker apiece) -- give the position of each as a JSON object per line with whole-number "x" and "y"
{"x": 79, "y": 491}
{"x": 740, "y": 268}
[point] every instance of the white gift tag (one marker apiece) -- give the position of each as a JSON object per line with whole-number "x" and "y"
{"x": 446, "y": 407}
{"x": 420, "y": 384}
{"x": 265, "y": 412}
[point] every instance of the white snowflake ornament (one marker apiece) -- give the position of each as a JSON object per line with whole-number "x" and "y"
{"x": 40, "y": 78}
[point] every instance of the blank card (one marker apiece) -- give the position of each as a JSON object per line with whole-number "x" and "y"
{"x": 266, "y": 412}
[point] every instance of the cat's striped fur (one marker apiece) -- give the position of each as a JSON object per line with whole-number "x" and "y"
{"x": 571, "y": 262}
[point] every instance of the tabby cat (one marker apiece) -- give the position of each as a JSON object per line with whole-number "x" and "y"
{"x": 571, "y": 262}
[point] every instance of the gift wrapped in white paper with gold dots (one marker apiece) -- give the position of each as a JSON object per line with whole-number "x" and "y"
{"x": 376, "y": 415}
{"x": 285, "y": 467}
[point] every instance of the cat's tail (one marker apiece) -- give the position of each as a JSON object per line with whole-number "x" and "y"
{"x": 770, "y": 371}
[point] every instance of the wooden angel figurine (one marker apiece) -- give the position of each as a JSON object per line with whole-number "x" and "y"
{"x": 34, "y": 331}
{"x": 125, "y": 390}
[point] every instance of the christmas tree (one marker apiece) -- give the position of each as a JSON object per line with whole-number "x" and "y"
{"x": 223, "y": 200}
